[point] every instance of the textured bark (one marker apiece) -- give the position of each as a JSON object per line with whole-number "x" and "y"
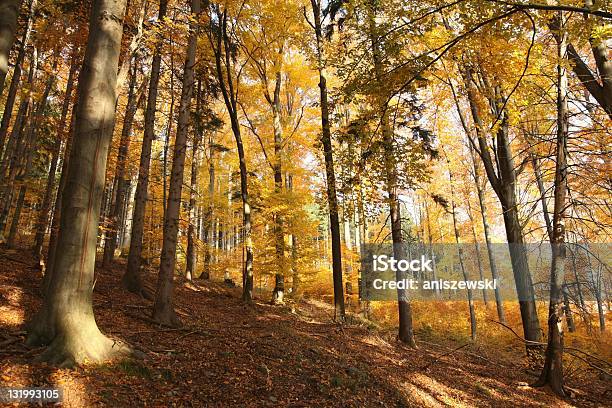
{"x": 65, "y": 321}
{"x": 163, "y": 309}
{"x": 110, "y": 243}
{"x": 12, "y": 93}
{"x": 9, "y": 11}
{"x": 326, "y": 141}
{"x": 132, "y": 279}
{"x": 43, "y": 215}
{"x": 552, "y": 373}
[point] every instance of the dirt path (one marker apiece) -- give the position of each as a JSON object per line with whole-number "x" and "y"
{"x": 231, "y": 354}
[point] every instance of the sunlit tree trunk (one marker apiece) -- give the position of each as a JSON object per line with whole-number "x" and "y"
{"x": 132, "y": 279}
{"x": 110, "y": 243}
{"x": 163, "y": 309}
{"x": 66, "y": 321}
{"x": 43, "y": 215}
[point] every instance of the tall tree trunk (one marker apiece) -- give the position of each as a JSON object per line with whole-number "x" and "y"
{"x": 552, "y": 373}
{"x": 503, "y": 183}
{"x": 12, "y": 93}
{"x": 66, "y": 321}
{"x": 222, "y": 48}
{"x": 132, "y": 279}
{"x": 485, "y": 297}
{"x": 191, "y": 256}
{"x": 110, "y": 243}
{"x": 9, "y": 11}
{"x": 326, "y": 141}
{"x": 43, "y": 215}
{"x": 470, "y": 295}
{"x": 279, "y": 236}
{"x": 208, "y": 233}
{"x": 163, "y": 309}
{"x": 406, "y": 332}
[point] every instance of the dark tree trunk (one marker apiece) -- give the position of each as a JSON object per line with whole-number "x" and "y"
{"x": 12, "y": 93}
{"x": 326, "y": 141}
{"x": 163, "y": 309}
{"x": 552, "y": 373}
{"x": 132, "y": 279}
{"x": 66, "y": 321}
{"x": 503, "y": 182}
{"x": 9, "y": 11}
{"x": 222, "y": 47}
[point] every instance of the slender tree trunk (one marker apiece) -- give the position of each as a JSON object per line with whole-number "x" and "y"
{"x": 470, "y": 294}
{"x": 223, "y": 49}
{"x": 43, "y": 216}
{"x": 552, "y": 373}
{"x": 503, "y": 183}
{"x": 132, "y": 279}
{"x": 485, "y": 297}
{"x": 66, "y": 321}
{"x": 326, "y": 141}
{"x": 12, "y": 93}
{"x": 208, "y": 233}
{"x": 163, "y": 309}
{"x": 406, "y": 333}
{"x": 110, "y": 243}
{"x": 191, "y": 256}
{"x": 279, "y": 236}
{"x": 9, "y": 11}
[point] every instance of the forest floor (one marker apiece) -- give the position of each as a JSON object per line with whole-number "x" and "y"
{"x": 231, "y": 354}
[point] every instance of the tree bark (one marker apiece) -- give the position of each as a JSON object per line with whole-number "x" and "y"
{"x": 9, "y": 11}
{"x": 65, "y": 321}
{"x": 222, "y": 48}
{"x": 503, "y": 182}
{"x": 552, "y": 373}
{"x": 163, "y": 309}
{"x": 110, "y": 243}
{"x": 12, "y": 93}
{"x": 132, "y": 279}
{"x": 43, "y": 215}
{"x": 326, "y": 141}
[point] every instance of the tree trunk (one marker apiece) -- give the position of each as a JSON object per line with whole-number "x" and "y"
{"x": 12, "y": 93}
{"x": 163, "y": 309}
{"x": 503, "y": 183}
{"x": 208, "y": 233}
{"x": 132, "y": 279}
{"x": 279, "y": 237}
{"x": 470, "y": 295}
{"x": 552, "y": 373}
{"x": 326, "y": 141}
{"x": 9, "y": 11}
{"x": 222, "y": 48}
{"x": 66, "y": 321}
{"x": 43, "y": 216}
{"x": 191, "y": 256}
{"x": 110, "y": 243}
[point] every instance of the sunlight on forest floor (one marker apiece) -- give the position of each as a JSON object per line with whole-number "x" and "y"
{"x": 231, "y": 354}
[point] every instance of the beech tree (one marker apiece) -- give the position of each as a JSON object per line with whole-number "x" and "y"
{"x": 65, "y": 321}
